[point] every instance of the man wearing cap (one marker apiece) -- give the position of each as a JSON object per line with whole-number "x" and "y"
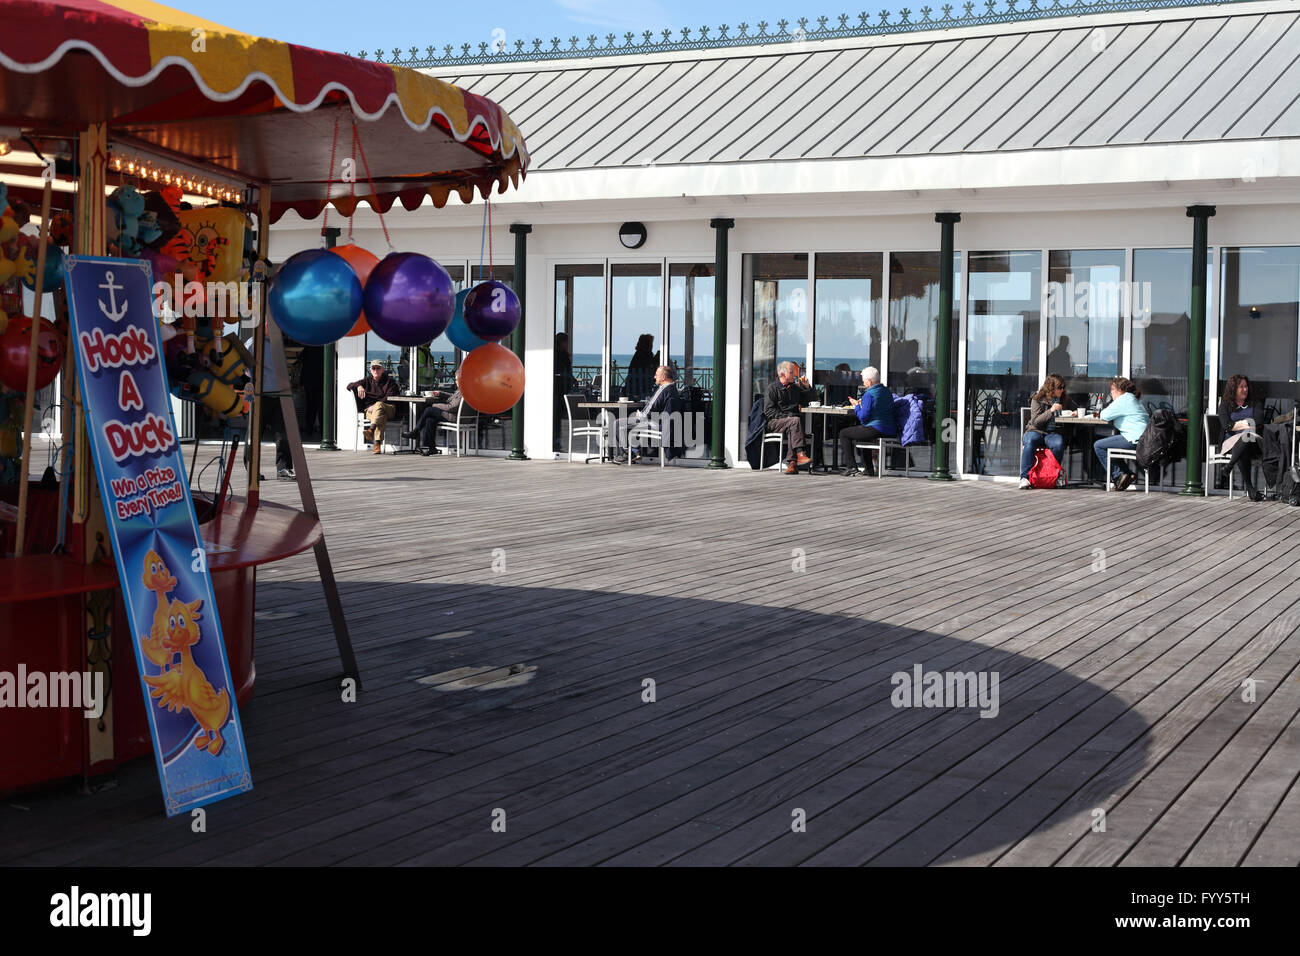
{"x": 371, "y": 392}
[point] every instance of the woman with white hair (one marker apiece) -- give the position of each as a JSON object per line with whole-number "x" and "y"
{"x": 875, "y": 411}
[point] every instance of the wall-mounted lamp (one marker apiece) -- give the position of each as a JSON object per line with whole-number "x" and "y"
{"x": 632, "y": 235}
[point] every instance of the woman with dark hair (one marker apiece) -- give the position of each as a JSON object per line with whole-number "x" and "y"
{"x": 1238, "y": 411}
{"x": 1040, "y": 430}
{"x": 1128, "y": 416}
{"x": 641, "y": 368}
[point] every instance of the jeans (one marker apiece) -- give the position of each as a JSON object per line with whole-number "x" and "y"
{"x": 1029, "y": 445}
{"x": 1114, "y": 441}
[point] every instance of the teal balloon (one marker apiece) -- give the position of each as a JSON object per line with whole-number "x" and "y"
{"x": 53, "y": 270}
{"x": 315, "y": 297}
{"x": 458, "y": 331}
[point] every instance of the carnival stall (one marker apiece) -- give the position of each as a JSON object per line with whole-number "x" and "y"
{"x": 158, "y": 148}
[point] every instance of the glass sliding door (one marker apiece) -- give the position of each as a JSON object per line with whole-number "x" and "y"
{"x": 635, "y": 324}
{"x": 1260, "y": 305}
{"x": 913, "y": 335}
{"x": 775, "y": 291}
{"x": 1086, "y": 305}
{"x": 847, "y": 329}
{"x": 579, "y": 348}
{"x": 1002, "y": 327}
{"x": 690, "y": 349}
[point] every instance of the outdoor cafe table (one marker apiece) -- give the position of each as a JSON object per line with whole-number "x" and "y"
{"x": 826, "y": 412}
{"x": 410, "y": 401}
{"x": 606, "y": 410}
{"x": 1087, "y": 421}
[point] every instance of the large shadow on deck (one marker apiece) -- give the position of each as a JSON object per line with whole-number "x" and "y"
{"x": 538, "y": 695}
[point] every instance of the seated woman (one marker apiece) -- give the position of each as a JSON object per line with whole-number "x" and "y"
{"x": 1237, "y": 410}
{"x": 443, "y": 408}
{"x": 1128, "y": 415}
{"x": 1040, "y": 430}
{"x": 875, "y": 413}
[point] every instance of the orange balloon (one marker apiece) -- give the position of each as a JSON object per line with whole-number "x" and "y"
{"x": 361, "y": 262}
{"x": 491, "y": 379}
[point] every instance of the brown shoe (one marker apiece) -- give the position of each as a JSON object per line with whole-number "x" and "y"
{"x": 790, "y": 469}
{"x": 377, "y": 450}
{"x": 801, "y": 459}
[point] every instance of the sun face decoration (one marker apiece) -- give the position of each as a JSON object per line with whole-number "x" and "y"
{"x": 205, "y": 247}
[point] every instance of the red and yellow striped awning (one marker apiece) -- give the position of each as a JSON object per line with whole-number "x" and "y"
{"x": 269, "y": 111}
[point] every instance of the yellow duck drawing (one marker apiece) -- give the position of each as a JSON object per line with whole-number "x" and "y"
{"x": 159, "y": 580}
{"x": 185, "y": 686}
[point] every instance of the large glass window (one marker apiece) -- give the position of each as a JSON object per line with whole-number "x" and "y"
{"x": 579, "y": 340}
{"x": 690, "y": 349}
{"x": 776, "y": 294}
{"x": 847, "y": 334}
{"x": 1162, "y": 302}
{"x": 1086, "y": 304}
{"x": 636, "y": 318}
{"x": 1261, "y": 321}
{"x": 913, "y": 333}
{"x": 1002, "y": 327}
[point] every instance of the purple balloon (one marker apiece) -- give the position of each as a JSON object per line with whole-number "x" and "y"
{"x": 409, "y": 299}
{"x": 491, "y": 310}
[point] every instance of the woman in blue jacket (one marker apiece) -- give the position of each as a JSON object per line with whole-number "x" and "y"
{"x": 1126, "y": 413}
{"x": 875, "y": 411}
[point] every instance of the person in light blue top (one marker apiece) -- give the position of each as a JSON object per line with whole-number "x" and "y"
{"x": 1126, "y": 413}
{"x": 875, "y": 413}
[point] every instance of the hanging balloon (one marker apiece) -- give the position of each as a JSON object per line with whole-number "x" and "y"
{"x": 362, "y": 262}
{"x": 409, "y": 299}
{"x": 315, "y": 297}
{"x": 491, "y": 310}
{"x": 53, "y": 268}
{"x": 491, "y": 379}
{"x": 15, "y": 346}
{"x": 458, "y": 331}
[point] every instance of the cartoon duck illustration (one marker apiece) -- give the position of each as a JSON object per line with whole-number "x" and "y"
{"x": 160, "y": 581}
{"x": 185, "y": 686}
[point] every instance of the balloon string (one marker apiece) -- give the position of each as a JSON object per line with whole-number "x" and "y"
{"x": 329, "y": 180}
{"x": 488, "y": 204}
{"x": 374, "y": 199}
{"x": 482, "y": 239}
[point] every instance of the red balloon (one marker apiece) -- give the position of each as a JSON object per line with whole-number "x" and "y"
{"x": 14, "y": 346}
{"x": 491, "y": 379}
{"x": 361, "y": 262}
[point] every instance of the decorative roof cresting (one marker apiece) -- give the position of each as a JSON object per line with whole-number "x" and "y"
{"x": 499, "y": 50}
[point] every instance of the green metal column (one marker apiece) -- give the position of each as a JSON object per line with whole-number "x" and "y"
{"x": 521, "y": 231}
{"x": 943, "y": 383}
{"x": 718, "y": 458}
{"x": 328, "y": 398}
{"x": 1200, "y": 216}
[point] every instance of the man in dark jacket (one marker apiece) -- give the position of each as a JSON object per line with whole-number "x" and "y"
{"x": 781, "y": 403}
{"x": 371, "y": 392}
{"x": 658, "y": 410}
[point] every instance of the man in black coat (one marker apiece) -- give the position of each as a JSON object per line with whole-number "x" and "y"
{"x": 781, "y": 403}
{"x": 659, "y": 411}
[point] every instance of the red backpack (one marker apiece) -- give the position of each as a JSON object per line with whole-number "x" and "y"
{"x": 1047, "y": 471}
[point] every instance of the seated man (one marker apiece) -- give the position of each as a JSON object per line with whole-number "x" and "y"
{"x": 371, "y": 392}
{"x": 875, "y": 411}
{"x": 443, "y": 408}
{"x": 781, "y": 403}
{"x": 659, "y": 406}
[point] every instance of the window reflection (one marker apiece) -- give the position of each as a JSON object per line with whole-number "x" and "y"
{"x": 847, "y": 336}
{"x": 1261, "y": 321}
{"x": 578, "y": 354}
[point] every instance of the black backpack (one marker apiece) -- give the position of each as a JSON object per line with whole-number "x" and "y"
{"x": 1163, "y": 442}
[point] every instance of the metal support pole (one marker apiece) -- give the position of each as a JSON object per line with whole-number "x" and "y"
{"x": 328, "y": 398}
{"x": 1200, "y": 216}
{"x": 943, "y": 346}
{"x": 717, "y": 458}
{"x": 521, "y": 231}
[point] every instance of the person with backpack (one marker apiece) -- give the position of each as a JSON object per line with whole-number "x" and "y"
{"x": 1239, "y": 410}
{"x": 1040, "y": 430}
{"x": 1130, "y": 419}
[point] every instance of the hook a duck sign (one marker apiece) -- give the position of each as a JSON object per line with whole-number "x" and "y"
{"x": 171, "y": 612}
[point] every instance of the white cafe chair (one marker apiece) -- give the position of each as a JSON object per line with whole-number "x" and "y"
{"x": 1214, "y": 459}
{"x": 592, "y": 428}
{"x": 465, "y": 428}
{"x": 648, "y": 432}
{"x": 1125, "y": 454}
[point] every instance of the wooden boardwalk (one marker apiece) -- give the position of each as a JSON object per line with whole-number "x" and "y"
{"x": 770, "y": 613}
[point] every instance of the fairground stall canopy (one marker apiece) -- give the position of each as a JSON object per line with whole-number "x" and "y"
{"x": 260, "y": 110}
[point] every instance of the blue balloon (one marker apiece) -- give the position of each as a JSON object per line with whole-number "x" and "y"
{"x": 458, "y": 331}
{"x": 53, "y": 270}
{"x": 315, "y": 297}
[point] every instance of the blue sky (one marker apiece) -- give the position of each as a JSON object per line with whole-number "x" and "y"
{"x": 354, "y": 25}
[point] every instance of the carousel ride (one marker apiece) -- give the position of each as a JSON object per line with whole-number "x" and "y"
{"x": 143, "y": 133}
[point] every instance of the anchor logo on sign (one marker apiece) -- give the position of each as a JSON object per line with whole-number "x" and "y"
{"x": 112, "y": 311}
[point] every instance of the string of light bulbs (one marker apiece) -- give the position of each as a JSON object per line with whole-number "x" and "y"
{"x": 170, "y": 176}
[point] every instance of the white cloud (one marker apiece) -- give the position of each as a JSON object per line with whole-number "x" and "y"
{"x": 634, "y": 15}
